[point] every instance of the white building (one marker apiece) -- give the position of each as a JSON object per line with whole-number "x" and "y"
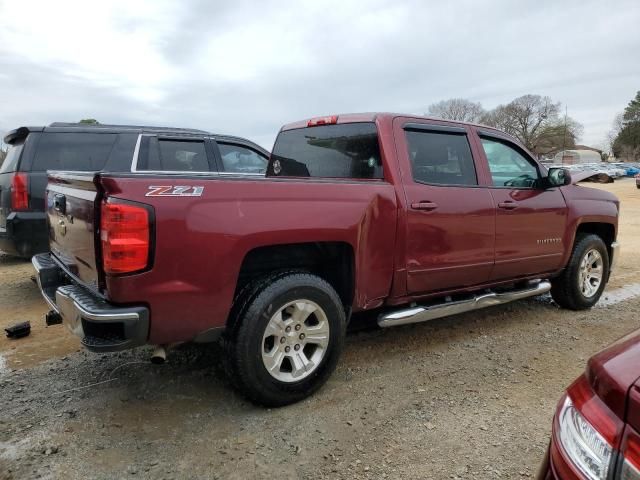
{"x": 570, "y": 157}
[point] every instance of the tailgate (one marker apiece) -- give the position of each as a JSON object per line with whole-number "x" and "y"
{"x": 71, "y": 212}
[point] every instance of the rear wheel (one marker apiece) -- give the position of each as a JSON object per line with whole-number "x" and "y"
{"x": 583, "y": 281}
{"x": 285, "y": 339}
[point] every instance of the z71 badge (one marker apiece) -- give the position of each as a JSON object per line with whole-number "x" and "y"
{"x": 174, "y": 191}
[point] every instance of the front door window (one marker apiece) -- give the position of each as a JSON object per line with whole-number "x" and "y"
{"x": 509, "y": 167}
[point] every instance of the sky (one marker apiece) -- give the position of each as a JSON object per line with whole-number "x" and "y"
{"x": 246, "y": 68}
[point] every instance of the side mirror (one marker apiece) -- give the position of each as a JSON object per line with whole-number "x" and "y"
{"x": 557, "y": 177}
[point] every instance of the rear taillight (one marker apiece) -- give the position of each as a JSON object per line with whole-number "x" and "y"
{"x": 125, "y": 237}
{"x": 630, "y": 469}
{"x": 587, "y": 431}
{"x": 330, "y": 120}
{"x": 19, "y": 192}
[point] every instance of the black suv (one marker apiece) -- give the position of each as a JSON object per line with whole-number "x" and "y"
{"x": 114, "y": 148}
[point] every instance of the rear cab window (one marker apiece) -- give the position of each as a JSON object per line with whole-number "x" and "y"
{"x": 348, "y": 150}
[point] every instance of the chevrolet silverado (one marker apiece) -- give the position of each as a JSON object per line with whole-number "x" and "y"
{"x": 413, "y": 217}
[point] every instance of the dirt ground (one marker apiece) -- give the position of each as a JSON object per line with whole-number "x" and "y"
{"x": 469, "y": 396}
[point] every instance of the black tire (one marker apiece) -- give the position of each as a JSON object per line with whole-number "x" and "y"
{"x": 565, "y": 289}
{"x": 250, "y": 316}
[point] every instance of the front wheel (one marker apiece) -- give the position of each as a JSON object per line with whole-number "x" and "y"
{"x": 582, "y": 282}
{"x": 286, "y": 338}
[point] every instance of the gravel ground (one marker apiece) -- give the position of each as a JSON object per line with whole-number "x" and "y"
{"x": 469, "y": 396}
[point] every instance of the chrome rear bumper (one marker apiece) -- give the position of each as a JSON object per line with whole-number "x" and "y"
{"x": 101, "y": 326}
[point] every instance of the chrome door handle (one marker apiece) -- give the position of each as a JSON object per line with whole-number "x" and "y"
{"x": 424, "y": 206}
{"x": 508, "y": 205}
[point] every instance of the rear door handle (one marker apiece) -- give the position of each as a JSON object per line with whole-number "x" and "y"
{"x": 424, "y": 206}
{"x": 508, "y": 205}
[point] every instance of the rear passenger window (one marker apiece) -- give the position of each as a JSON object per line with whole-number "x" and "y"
{"x": 348, "y": 150}
{"x": 441, "y": 158}
{"x": 239, "y": 159}
{"x": 176, "y": 156}
{"x": 73, "y": 151}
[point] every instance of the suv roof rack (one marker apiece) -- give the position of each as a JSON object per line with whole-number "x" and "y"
{"x": 22, "y": 132}
{"x": 132, "y": 127}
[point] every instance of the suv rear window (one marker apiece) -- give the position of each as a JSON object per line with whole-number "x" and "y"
{"x": 10, "y": 163}
{"x": 348, "y": 150}
{"x": 73, "y": 151}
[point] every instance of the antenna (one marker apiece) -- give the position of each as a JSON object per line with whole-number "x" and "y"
{"x": 564, "y": 137}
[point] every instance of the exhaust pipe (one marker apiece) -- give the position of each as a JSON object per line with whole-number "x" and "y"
{"x": 52, "y": 318}
{"x": 159, "y": 355}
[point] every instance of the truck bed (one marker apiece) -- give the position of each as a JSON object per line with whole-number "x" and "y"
{"x": 205, "y": 225}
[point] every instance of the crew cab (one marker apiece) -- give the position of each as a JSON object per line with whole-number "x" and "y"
{"x": 414, "y": 217}
{"x": 596, "y": 429}
{"x": 86, "y": 147}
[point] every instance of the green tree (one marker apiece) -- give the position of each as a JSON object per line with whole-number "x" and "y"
{"x": 89, "y": 121}
{"x": 632, "y": 112}
{"x": 626, "y": 145}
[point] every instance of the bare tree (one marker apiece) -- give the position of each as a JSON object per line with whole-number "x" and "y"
{"x": 501, "y": 118}
{"x": 616, "y": 128}
{"x": 457, "y": 109}
{"x": 535, "y": 121}
{"x": 557, "y": 136}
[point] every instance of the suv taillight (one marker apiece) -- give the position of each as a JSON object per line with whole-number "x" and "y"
{"x": 19, "y": 192}
{"x": 125, "y": 237}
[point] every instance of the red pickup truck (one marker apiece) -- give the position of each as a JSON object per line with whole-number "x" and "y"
{"x": 415, "y": 217}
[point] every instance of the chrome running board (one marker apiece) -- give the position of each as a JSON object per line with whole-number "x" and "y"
{"x": 424, "y": 314}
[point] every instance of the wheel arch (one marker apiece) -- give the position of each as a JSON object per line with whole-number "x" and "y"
{"x": 606, "y": 231}
{"x": 334, "y": 262}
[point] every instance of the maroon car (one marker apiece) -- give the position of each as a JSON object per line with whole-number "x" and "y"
{"x": 596, "y": 429}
